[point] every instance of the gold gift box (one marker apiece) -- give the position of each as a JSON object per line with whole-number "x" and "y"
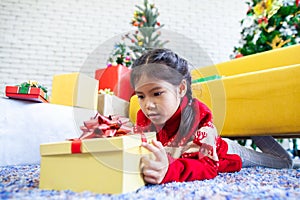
{"x": 100, "y": 165}
{"x": 75, "y": 89}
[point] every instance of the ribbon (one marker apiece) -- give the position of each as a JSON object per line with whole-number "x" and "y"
{"x": 32, "y": 87}
{"x": 139, "y": 130}
{"x": 101, "y": 126}
{"x": 106, "y": 91}
{"x": 23, "y": 90}
{"x": 76, "y": 146}
{"x": 208, "y": 78}
{"x": 31, "y": 83}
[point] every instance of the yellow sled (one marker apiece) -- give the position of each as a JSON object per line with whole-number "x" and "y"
{"x": 253, "y": 95}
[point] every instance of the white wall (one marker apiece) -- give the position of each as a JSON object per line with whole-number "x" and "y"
{"x": 41, "y": 38}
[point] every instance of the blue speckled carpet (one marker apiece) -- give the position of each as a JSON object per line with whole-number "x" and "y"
{"x": 21, "y": 182}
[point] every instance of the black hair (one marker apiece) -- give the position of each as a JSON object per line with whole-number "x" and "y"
{"x": 176, "y": 69}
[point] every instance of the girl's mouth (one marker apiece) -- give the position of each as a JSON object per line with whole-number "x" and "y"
{"x": 153, "y": 116}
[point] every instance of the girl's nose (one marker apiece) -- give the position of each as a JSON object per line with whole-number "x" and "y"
{"x": 149, "y": 104}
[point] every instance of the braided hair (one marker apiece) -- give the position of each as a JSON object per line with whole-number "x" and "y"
{"x": 177, "y": 69}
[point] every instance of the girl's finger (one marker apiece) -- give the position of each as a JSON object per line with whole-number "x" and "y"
{"x": 161, "y": 154}
{"x": 145, "y": 161}
{"x": 157, "y": 144}
{"x": 150, "y": 147}
{"x": 150, "y": 173}
{"x": 149, "y": 164}
{"x": 151, "y": 176}
{"x": 151, "y": 180}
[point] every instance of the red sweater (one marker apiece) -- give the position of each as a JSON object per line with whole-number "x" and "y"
{"x": 200, "y": 154}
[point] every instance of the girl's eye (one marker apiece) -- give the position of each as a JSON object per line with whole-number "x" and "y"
{"x": 157, "y": 93}
{"x": 140, "y": 96}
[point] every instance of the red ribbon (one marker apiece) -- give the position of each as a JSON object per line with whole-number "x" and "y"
{"x": 100, "y": 127}
{"x": 76, "y": 146}
{"x": 103, "y": 127}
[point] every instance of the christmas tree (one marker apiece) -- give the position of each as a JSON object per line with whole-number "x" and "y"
{"x": 269, "y": 24}
{"x": 146, "y": 37}
{"x": 120, "y": 55}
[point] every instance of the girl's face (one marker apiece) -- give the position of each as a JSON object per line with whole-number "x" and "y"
{"x": 159, "y": 99}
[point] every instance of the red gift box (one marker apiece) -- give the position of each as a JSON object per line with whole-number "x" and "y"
{"x": 32, "y": 93}
{"x": 117, "y": 79}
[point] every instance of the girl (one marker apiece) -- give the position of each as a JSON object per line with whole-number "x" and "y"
{"x": 188, "y": 146}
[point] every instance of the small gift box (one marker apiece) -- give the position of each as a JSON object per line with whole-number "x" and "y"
{"x": 28, "y": 91}
{"x": 75, "y": 89}
{"x": 112, "y": 105}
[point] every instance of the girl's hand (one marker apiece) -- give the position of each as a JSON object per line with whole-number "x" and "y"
{"x": 154, "y": 170}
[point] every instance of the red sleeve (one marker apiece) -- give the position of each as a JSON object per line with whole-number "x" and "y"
{"x": 187, "y": 169}
{"x": 227, "y": 162}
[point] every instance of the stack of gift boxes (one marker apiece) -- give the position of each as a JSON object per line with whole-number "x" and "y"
{"x": 87, "y": 164}
{"x": 80, "y": 90}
